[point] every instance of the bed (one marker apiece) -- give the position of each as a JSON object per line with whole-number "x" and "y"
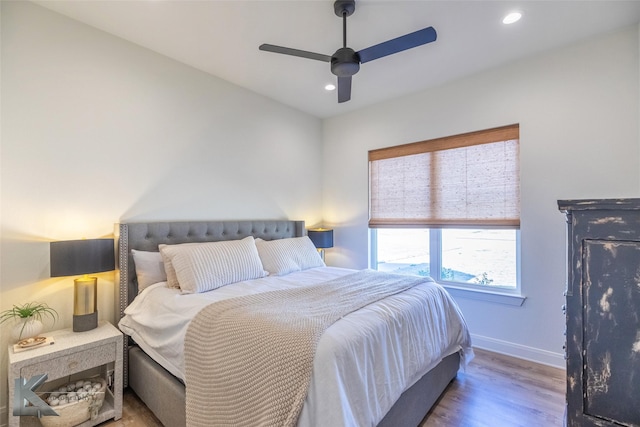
{"x": 403, "y": 403}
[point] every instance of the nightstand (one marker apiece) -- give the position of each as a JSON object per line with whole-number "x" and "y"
{"x": 73, "y": 356}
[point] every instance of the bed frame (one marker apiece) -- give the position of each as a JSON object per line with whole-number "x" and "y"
{"x": 146, "y": 377}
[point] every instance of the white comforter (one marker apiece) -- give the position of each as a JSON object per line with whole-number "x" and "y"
{"x": 363, "y": 362}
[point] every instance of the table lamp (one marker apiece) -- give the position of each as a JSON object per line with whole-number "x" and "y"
{"x": 75, "y": 257}
{"x": 322, "y": 238}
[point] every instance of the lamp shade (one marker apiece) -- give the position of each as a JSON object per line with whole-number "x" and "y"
{"x": 74, "y": 257}
{"x": 322, "y": 238}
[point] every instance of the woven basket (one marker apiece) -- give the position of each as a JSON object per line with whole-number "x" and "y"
{"x": 74, "y": 413}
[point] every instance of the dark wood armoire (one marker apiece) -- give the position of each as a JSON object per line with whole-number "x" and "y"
{"x": 603, "y": 312}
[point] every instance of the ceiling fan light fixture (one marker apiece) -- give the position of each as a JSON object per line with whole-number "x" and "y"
{"x": 511, "y": 18}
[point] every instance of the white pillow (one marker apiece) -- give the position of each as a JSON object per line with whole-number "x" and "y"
{"x": 170, "y": 272}
{"x": 202, "y": 267}
{"x": 149, "y": 268}
{"x": 284, "y": 256}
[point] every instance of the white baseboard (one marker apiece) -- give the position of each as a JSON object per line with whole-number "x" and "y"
{"x": 520, "y": 351}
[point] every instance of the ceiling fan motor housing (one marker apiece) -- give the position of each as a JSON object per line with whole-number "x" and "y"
{"x": 345, "y": 62}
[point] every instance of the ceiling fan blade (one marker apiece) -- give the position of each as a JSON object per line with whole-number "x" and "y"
{"x": 344, "y": 89}
{"x": 408, "y": 41}
{"x": 295, "y": 52}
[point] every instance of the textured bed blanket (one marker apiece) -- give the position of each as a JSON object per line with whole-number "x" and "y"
{"x": 249, "y": 359}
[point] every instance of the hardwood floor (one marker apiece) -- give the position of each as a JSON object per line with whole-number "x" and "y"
{"x": 495, "y": 391}
{"x": 501, "y": 391}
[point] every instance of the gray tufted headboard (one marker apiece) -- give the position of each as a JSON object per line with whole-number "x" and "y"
{"x": 146, "y": 236}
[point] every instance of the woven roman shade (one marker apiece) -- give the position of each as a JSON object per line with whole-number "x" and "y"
{"x": 468, "y": 180}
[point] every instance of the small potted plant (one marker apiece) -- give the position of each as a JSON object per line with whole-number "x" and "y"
{"x": 28, "y": 319}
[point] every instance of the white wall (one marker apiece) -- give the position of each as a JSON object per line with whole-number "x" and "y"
{"x": 97, "y": 130}
{"x": 578, "y": 113}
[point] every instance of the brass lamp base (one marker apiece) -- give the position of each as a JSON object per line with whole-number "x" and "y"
{"x": 85, "y": 322}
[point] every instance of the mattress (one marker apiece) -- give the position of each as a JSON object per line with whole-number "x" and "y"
{"x": 363, "y": 362}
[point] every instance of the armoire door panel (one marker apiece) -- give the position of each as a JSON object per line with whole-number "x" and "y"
{"x": 611, "y": 285}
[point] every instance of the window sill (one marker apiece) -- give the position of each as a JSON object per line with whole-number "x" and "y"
{"x": 482, "y": 295}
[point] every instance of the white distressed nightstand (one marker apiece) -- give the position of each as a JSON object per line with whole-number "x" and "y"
{"x": 73, "y": 356}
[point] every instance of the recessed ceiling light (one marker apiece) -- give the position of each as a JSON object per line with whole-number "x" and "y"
{"x": 512, "y": 17}
{"x": 330, "y": 87}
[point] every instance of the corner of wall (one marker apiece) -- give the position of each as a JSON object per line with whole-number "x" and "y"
{"x": 3, "y": 385}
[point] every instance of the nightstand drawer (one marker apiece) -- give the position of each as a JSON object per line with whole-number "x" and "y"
{"x": 72, "y": 363}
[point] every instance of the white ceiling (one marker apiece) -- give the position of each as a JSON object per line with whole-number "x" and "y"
{"x": 222, "y": 38}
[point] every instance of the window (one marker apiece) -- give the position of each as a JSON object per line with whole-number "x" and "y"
{"x": 467, "y": 257}
{"x": 449, "y": 208}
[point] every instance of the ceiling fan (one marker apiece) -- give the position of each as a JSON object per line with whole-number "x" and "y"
{"x": 345, "y": 62}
